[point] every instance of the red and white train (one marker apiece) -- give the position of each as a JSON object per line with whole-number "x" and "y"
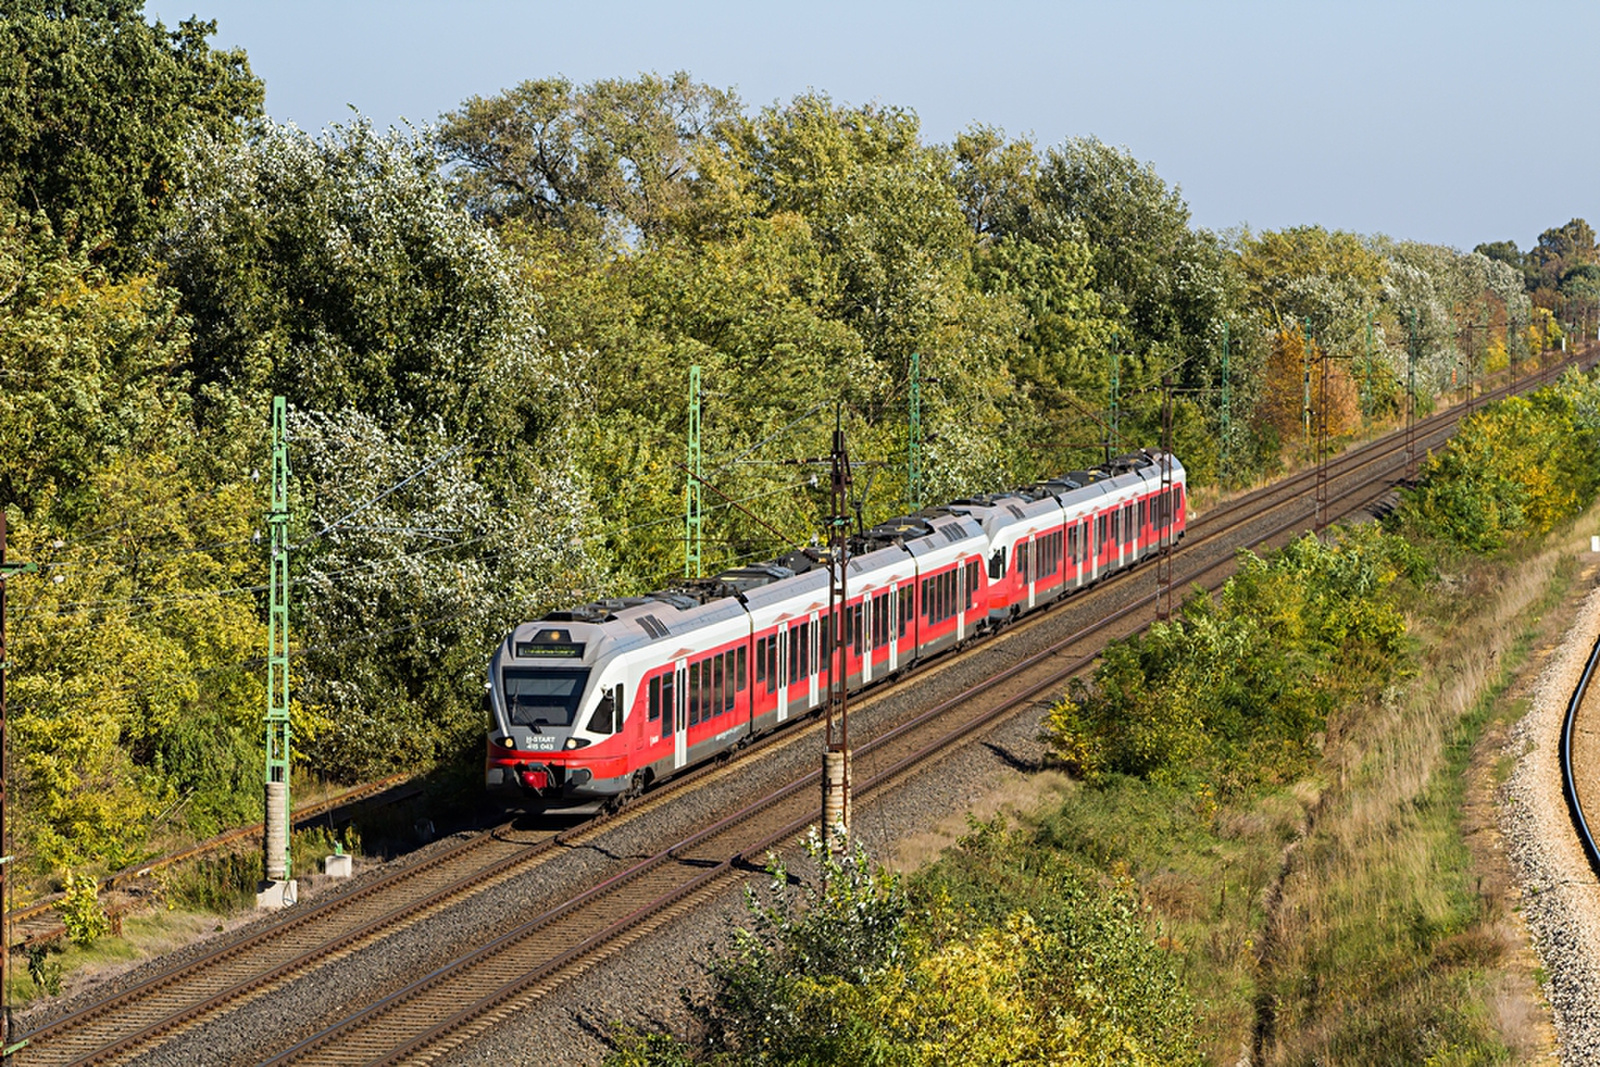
{"x": 598, "y": 701}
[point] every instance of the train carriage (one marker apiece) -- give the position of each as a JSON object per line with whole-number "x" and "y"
{"x": 595, "y": 702}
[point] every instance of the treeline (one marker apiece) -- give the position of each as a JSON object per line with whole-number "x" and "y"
{"x": 484, "y": 331}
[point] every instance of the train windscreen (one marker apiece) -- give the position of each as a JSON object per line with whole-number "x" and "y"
{"x": 544, "y": 697}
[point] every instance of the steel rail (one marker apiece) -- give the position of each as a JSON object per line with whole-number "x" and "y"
{"x": 1569, "y": 782}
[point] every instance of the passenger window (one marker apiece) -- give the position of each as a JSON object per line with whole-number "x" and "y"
{"x": 669, "y": 707}
{"x": 694, "y": 694}
{"x": 655, "y": 698}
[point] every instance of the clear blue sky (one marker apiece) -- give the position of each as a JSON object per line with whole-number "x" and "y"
{"x": 1450, "y": 122}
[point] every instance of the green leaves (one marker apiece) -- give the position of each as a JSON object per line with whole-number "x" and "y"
{"x": 1511, "y": 472}
{"x": 96, "y": 108}
{"x": 1233, "y": 692}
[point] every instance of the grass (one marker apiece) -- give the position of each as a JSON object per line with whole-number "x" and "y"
{"x": 1385, "y": 949}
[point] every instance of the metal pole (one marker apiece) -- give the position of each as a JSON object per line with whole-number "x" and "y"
{"x": 1169, "y": 513}
{"x": 1411, "y": 399}
{"x": 836, "y": 757}
{"x": 692, "y": 514}
{"x": 278, "y": 867}
{"x": 914, "y": 437}
{"x": 1322, "y": 445}
{"x": 1116, "y": 358}
{"x": 1366, "y": 375}
{"x": 1227, "y": 401}
{"x": 1305, "y": 380}
{"x": 6, "y": 571}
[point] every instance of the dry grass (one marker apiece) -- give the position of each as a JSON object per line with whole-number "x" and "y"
{"x": 1384, "y": 938}
{"x": 1015, "y": 794}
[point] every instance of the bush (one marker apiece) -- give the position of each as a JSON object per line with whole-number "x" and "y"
{"x": 86, "y": 921}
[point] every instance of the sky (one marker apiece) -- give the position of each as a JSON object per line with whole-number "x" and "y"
{"x": 1447, "y": 122}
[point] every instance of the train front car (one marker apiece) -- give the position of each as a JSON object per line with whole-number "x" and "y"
{"x": 557, "y": 702}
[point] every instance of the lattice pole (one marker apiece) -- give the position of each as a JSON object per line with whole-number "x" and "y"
{"x": 914, "y": 437}
{"x": 278, "y": 804}
{"x": 693, "y": 525}
{"x": 1168, "y": 515}
{"x": 1227, "y": 402}
{"x": 836, "y": 758}
{"x": 1322, "y": 444}
{"x": 1411, "y": 399}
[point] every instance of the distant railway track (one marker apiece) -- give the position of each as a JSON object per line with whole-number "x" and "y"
{"x": 603, "y": 914}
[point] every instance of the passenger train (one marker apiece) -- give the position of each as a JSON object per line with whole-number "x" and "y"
{"x": 594, "y": 703}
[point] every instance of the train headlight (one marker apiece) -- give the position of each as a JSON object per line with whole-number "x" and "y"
{"x": 575, "y": 742}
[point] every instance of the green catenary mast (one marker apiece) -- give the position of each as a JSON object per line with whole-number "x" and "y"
{"x": 691, "y": 488}
{"x": 914, "y": 437}
{"x": 277, "y": 780}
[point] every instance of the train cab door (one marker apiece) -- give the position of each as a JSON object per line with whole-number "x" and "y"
{"x": 781, "y": 682}
{"x": 680, "y": 714}
{"x": 865, "y": 638}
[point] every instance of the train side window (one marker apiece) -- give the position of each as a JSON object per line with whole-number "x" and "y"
{"x": 906, "y": 608}
{"x": 761, "y": 659}
{"x": 655, "y": 698}
{"x": 743, "y": 662}
{"x": 668, "y": 703}
{"x": 694, "y": 694}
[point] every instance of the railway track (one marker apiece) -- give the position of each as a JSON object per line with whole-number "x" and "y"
{"x": 1580, "y": 757}
{"x": 607, "y": 913}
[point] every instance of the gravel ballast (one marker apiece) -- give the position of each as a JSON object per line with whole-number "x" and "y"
{"x": 1560, "y": 895}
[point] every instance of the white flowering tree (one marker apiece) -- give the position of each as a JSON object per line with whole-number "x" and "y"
{"x": 438, "y": 501}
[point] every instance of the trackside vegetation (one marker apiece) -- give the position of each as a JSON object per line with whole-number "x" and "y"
{"x": 484, "y": 329}
{"x": 1263, "y": 854}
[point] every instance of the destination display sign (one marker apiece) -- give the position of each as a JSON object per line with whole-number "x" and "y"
{"x": 541, "y": 650}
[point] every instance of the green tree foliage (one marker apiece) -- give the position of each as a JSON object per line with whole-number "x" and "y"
{"x": 604, "y": 161}
{"x": 1560, "y": 252}
{"x": 1235, "y": 690}
{"x": 96, "y": 107}
{"x": 1512, "y": 471}
{"x": 988, "y": 962}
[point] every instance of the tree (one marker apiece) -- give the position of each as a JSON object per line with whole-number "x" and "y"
{"x": 96, "y": 107}
{"x": 608, "y": 159}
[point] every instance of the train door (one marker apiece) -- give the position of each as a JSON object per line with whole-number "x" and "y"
{"x": 1033, "y": 572}
{"x": 781, "y": 682}
{"x": 680, "y": 715}
{"x": 813, "y": 638}
{"x": 892, "y": 606}
{"x": 866, "y": 638}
